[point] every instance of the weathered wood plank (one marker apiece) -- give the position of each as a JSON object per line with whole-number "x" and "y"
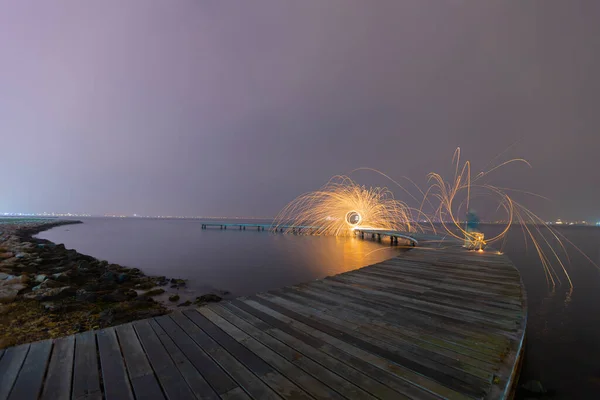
{"x": 435, "y": 291}
{"x": 86, "y": 379}
{"x": 200, "y": 388}
{"x": 421, "y": 359}
{"x": 211, "y": 371}
{"x": 60, "y": 371}
{"x": 373, "y": 358}
{"x": 30, "y": 378}
{"x": 168, "y": 375}
{"x": 235, "y": 394}
{"x": 394, "y": 334}
{"x": 10, "y": 365}
{"x": 355, "y": 369}
{"x": 144, "y": 382}
{"x": 308, "y": 383}
{"x": 246, "y": 379}
{"x": 114, "y": 375}
{"x": 262, "y": 368}
{"x": 338, "y": 377}
{"x": 417, "y": 308}
{"x": 489, "y": 344}
{"x": 460, "y": 304}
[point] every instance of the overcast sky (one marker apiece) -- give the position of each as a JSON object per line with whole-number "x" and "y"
{"x": 211, "y": 107}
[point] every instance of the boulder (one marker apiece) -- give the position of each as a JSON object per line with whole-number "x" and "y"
{"x": 174, "y": 298}
{"x": 40, "y": 278}
{"x": 9, "y": 292}
{"x": 84, "y": 295}
{"x": 208, "y": 298}
{"x": 4, "y": 276}
{"x": 50, "y": 294}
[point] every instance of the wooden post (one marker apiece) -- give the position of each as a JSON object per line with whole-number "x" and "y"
{"x": 244, "y": 228}
{"x": 379, "y": 237}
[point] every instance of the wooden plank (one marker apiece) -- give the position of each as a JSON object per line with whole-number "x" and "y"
{"x": 60, "y": 371}
{"x": 393, "y": 333}
{"x": 86, "y": 378}
{"x": 461, "y": 304}
{"x": 429, "y": 324}
{"x": 471, "y": 388}
{"x": 420, "y": 357}
{"x": 144, "y": 382}
{"x": 211, "y": 371}
{"x": 404, "y": 381}
{"x": 433, "y": 325}
{"x": 331, "y": 372}
{"x": 398, "y": 281}
{"x": 308, "y": 383}
{"x": 114, "y": 375}
{"x": 404, "y": 331}
{"x": 10, "y": 365}
{"x": 198, "y": 385}
{"x": 30, "y": 378}
{"x": 491, "y": 285}
{"x": 420, "y": 307}
{"x": 266, "y": 369}
{"x": 168, "y": 375}
{"x": 235, "y": 394}
{"x": 246, "y": 379}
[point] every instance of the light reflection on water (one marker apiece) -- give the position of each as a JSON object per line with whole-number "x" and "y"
{"x": 241, "y": 262}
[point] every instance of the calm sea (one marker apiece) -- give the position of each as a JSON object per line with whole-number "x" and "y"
{"x": 563, "y": 333}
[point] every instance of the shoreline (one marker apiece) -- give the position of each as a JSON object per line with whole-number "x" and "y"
{"x": 48, "y": 291}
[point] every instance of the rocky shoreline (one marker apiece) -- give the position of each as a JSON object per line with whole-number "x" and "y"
{"x": 48, "y": 291}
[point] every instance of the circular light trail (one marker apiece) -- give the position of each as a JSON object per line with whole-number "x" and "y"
{"x": 353, "y": 218}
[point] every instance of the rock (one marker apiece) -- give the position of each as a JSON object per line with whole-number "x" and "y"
{"x": 40, "y": 278}
{"x": 119, "y": 295}
{"x": 51, "y": 293}
{"x": 154, "y": 292}
{"x": 208, "y": 298}
{"x": 185, "y": 304}
{"x": 84, "y": 266}
{"x": 162, "y": 281}
{"x": 174, "y": 298}
{"x": 4, "y": 276}
{"x": 123, "y": 278}
{"x": 52, "y": 307}
{"x": 177, "y": 282}
{"x": 7, "y": 255}
{"x": 21, "y": 255}
{"x": 84, "y": 295}
{"x": 48, "y": 283}
{"x": 109, "y": 276}
{"x": 61, "y": 276}
{"x": 106, "y": 317}
{"x": 10, "y": 292}
{"x": 145, "y": 285}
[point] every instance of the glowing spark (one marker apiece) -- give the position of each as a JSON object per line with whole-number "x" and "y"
{"x": 341, "y": 206}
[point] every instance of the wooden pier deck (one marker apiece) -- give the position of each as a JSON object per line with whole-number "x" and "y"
{"x": 434, "y": 322}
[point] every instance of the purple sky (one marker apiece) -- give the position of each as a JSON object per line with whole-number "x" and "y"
{"x": 211, "y": 107}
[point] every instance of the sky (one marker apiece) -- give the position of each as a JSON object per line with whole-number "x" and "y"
{"x": 225, "y": 108}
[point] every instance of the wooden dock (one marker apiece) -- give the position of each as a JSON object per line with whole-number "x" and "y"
{"x": 435, "y": 322}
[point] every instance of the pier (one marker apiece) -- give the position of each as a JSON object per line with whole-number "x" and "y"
{"x": 437, "y": 321}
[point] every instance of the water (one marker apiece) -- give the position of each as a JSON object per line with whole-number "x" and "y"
{"x": 240, "y": 262}
{"x": 563, "y": 332}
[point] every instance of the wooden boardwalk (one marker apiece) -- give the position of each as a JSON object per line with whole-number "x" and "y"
{"x": 432, "y": 323}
